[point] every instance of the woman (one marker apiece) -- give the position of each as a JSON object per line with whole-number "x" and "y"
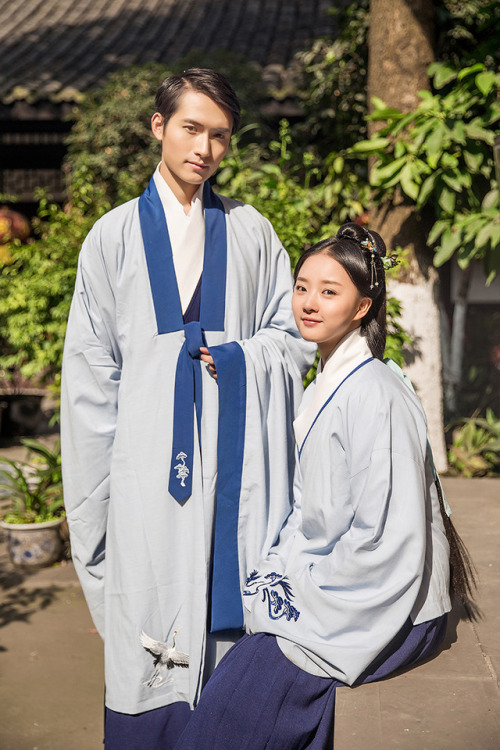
{"x": 358, "y": 583}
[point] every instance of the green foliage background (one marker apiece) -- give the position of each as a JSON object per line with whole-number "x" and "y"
{"x": 441, "y": 156}
{"x": 37, "y": 287}
{"x": 305, "y": 177}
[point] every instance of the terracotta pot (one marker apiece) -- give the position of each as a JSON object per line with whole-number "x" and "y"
{"x": 34, "y": 545}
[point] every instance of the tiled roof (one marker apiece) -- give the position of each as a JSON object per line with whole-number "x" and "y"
{"x": 53, "y": 49}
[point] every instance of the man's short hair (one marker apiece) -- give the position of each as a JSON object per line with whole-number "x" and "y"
{"x": 206, "y": 81}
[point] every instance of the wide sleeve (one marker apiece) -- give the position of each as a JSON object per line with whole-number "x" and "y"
{"x": 352, "y": 578}
{"x": 275, "y": 361}
{"x": 89, "y": 398}
{"x": 256, "y": 456}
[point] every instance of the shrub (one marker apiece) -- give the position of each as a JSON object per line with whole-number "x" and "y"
{"x": 475, "y": 448}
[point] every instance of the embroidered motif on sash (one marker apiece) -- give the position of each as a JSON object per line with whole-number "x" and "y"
{"x": 277, "y": 591}
{"x": 181, "y": 469}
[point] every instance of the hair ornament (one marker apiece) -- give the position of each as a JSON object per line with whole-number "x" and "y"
{"x": 388, "y": 261}
{"x": 373, "y": 269}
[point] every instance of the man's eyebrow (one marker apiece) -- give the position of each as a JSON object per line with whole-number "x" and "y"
{"x": 199, "y": 125}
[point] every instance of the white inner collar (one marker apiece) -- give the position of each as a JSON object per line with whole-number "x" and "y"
{"x": 187, "y": 237}
{"x": 350, "y": 352}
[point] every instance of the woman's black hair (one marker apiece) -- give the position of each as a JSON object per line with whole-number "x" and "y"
{"x": 356, "y": 259}
{"x": 463, "y": 583}
{"x": 205, "y": 81}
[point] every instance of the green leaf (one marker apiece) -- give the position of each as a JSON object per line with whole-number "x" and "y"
{"x": 454, "y": 181}
{"x": 473, "y": 159}
{"x": 433, "y": 67}
{"x": 403, "y": 122}
{"x": 490, "y": 200}
{"x": 378, "y": 103}
{"x": 380, "y": 174}
{"x": 421, "y": 168}
{"x": 458, "y": 132}
{"x": 391, "y": 182}
{"x": 385, "y": 113}
{"x": 399, "y": 149}
{"x": 446, "y": 200}
{"x": 373, "y": 144}
{"x": 485, "y": 82}
{"x": 466, "y": 178}
{"x": 433, "y": 160}
{"x": 442, "y": 74}
{"x": 421, "y": 131}
{"x": 449, "y": 243}
{"x": 490, "y": 233}
{"x": 271, "y": 169}
{"x": 468, "y": 71}
{"x": 427, "y": 189}
{"x": 224, "y": 175}
{"x": 471, "y": 226}
{"x": 492, "y": 262}
{"x": 427, "y": 105}
{"x": 435, "y": 142}
{"x": 476, "y": 132}
{"x": 408, "y": 184}
{"x": 338, "y": 165}
{"x": 449, "y": 161}
{"x": 466, "y": 254}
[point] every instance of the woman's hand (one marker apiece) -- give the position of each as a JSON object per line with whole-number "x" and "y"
{"x": 206, "y": 357}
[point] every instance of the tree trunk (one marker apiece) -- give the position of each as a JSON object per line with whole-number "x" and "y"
{"x": 457, "y": 339}
{"x": 400, "y": 51}
{"x": 400, "y": 42}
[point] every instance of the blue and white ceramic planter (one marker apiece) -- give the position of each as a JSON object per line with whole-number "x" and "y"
{"x": 34, "y": 545}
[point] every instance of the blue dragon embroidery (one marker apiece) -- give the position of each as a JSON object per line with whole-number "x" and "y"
{"x": 276, "y": 590}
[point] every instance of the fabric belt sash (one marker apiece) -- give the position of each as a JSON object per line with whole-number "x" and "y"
{"x": 187, "y": 389}
{"x": 226, "y": 609}
{"x": 168, "y": 313}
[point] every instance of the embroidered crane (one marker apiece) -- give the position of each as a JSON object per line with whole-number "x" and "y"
{"x": 165, "y": 658}
{"x": 181, "y": 469}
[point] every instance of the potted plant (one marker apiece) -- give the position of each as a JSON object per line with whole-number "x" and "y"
{"x": 34, "y": 520}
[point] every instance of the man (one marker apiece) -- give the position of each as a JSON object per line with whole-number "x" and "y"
{"x": 176, "y": 474}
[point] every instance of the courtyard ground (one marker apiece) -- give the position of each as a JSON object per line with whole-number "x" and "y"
{"x": 51, "y": 659}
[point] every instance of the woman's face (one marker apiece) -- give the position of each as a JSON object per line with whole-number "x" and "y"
{"x": 326, "y": 304}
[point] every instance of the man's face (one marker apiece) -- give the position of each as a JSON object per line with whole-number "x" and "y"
{"x": 194, "y": 142}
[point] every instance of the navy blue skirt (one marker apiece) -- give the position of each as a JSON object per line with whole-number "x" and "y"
{"x": 258, "y": 699}
{"x": 155, "y": 730}
{"x": 160, "y": 728}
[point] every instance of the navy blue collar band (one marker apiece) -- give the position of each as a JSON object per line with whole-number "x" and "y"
{"x": 160, "y": 263}
{"x": 370, "y": 359}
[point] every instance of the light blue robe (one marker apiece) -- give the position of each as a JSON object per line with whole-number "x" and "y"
{"x": 143, "y": 559}
{"x": 365, "y": 547}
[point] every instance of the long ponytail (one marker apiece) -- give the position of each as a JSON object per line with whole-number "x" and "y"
{"x": 463, "y": 583}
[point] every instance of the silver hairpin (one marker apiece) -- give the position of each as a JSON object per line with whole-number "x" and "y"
{"x": 373, "y": 268}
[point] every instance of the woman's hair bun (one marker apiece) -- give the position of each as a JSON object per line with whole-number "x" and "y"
{"x": 352, "y": 231}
